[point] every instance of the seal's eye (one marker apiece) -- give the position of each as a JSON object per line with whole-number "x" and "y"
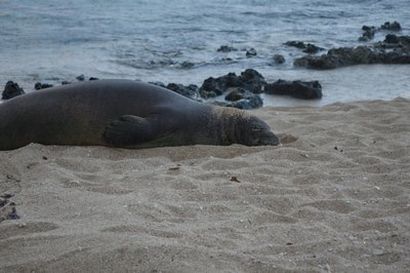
{"x": 256, "y": 128}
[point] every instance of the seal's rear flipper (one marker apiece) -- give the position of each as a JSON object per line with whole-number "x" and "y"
{"x": 128, "y": 131}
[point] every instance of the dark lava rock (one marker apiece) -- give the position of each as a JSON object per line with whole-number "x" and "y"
{"x": 297, "y": 89}
{"x": 238, "y": 93}
{"x": 312, "y": 49}
{"x": 307, "y": 47}
{"x": 391, "y": 39}
{"x": 252, "y": 81}
{"x": 249, "y": 79}
{"x": 395, "y": 52}
{"x": 402, "y": 42}
{"x": 368, "y": 33}
{"x": 213, "y": 87}
{"x": 65, "y": 82}
{"x": 12, "y": 89}
{"x": 227, "y": 60}
{"x": 336, "y": 57}
{"x": 297, "y": 44}
{"x": 225, "y": 48}
{"x": 39, "y": 85}
{"x": 368, "y": 28}
{"x": 251, "y": 52}
{"x": 395, "y": 26}
{"x": 93, "y": 79}
{"x": 243, "y": 99}
{"x": 252, "y": 102}
{"x": 235, "y": 95}
{"x": 190, "y": 91}
{"x": 186, "y": 65}
{"x": 80, "y": 78}
{"x": 279, "y": 59}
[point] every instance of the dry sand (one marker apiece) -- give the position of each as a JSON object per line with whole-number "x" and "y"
{"x": 334, "y": 198}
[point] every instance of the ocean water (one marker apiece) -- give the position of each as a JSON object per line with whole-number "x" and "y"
{"x": 154, "y": 40}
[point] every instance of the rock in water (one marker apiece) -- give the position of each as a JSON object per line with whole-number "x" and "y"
{"x": 226, "y": 48}
{"x": 307, "y": 47}
{"x": 279, "y": 59}
{"x": 40, "y": 85}
{"x": 296, "y": 89}
{"x": 395, "y": 26}
{"x": 252, "y": 81}
{"x": 393, "y": 50}
{"x": 251, "y": 52}
{"x": 368, "y": 33}
{"x": 11, "y": 90}
{"x": 249, "y": 79}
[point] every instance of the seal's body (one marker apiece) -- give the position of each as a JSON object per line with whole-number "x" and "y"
{"x": 123, "y": 113}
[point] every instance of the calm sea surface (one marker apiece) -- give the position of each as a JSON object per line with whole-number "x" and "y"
{"x": 154, "y": 40}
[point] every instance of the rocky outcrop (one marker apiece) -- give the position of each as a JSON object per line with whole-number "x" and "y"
{"x": 186, "y": 65}
{"x": 237, "y": 93}
{"x": 307, "y": 47}
{"x": 213, "y": 87}
{"x": 250, "y": 80}
{"x": 297, "y": 89}
{"x": 393, "y": 50}
{"x": 80, "y": 78}
{"x": 278, "y": 59}
{"x": 368, "y": 33}
{"x": 226, "y": 48}
{"x": 251, "y": 52}
{"x": 39, "y": 85}
{"x": 243, "y": 99}
{"x": 11, "y": 90}
{"x": 190, "y": 91}
{"x": 394, "y": 26}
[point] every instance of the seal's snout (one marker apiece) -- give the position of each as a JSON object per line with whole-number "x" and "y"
{"x": 271, "y": 139}
{"x": 258, "y": 133}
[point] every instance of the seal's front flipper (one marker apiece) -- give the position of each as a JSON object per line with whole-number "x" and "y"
{"x": 128, "y": 131}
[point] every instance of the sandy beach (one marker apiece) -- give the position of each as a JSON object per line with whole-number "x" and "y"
{"x": 335, "y": 197}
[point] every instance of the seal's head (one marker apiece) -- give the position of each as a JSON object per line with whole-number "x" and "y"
{"x": 229, "y": 125}
{"x": 252, "y": 131}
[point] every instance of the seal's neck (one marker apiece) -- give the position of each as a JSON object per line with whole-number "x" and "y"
{"x": 224, "y": 125}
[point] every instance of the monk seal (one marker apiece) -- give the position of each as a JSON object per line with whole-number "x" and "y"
{"x": 123, "y": 113}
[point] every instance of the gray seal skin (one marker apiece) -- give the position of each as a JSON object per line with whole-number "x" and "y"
{"x": 123, "y": 113}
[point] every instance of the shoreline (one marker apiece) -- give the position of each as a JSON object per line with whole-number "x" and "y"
{"x": 384, "y": 82}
